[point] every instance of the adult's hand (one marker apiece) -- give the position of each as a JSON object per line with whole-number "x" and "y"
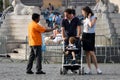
{"x": 55, "y": 26}
{"x": 64, "y": 38}
{"x": 77, "y": 36}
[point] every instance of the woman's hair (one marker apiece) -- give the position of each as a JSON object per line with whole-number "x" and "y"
{"x": 72, "y": 40}
{"x": 88, "y": 11}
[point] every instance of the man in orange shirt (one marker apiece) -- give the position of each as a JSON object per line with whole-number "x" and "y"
{"x": 35, "y": 43}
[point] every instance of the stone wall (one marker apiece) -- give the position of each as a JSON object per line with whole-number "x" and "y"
{"x": 56, "y": 3}
{"x": 116, "y": 2}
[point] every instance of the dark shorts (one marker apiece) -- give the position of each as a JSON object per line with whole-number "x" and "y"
{"x": 88, "y": 41}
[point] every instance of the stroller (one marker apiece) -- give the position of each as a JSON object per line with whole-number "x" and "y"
{"x": 67, "y": 59}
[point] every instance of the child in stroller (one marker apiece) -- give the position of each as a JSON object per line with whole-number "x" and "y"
{"x": 72, "y": 57}
{"x": 70, "y": 47}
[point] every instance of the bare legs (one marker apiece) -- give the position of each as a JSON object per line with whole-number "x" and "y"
{"x": 73, "y": 54}
{"x": 89, "y": 55}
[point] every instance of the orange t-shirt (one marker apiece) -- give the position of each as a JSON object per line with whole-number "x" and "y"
{"x": 34, "y": 34}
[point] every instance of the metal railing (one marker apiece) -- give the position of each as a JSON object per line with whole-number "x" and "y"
{"x": 113, "y": 49}
{"x": 107, "y": 50}
{"x": 3, "y": 48}
{"x": 8, "y": 46}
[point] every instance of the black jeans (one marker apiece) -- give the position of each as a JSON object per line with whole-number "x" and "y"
{"x": 35, "y": 52}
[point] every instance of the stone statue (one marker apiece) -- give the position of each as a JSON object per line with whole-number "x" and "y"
{"x": 21, "y": 9}
{"x": 105, "y": 6}
{"x": 100, "y": 6}
{"x": 112, "y": 8}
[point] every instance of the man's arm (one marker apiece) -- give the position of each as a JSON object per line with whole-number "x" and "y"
{"x": 43, "y": 29}
{"x": 63, "y": 32}
{"x": 78, "y": 28}
{"x": 49, "y": 30}
{"x": 78, "y": 31}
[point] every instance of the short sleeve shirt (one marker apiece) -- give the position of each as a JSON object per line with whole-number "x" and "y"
{"x": 88, "y": 29}
{"x": 34, "y": 34}
{"x": 71, "y": 26}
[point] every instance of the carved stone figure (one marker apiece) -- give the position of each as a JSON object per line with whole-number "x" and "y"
{"x": 112, "y": 8}
{"x": 100, "y": 6}
{"x": 21, "y": 9}
{"x": 105, "y": 5}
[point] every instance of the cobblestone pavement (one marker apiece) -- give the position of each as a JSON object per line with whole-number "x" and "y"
{"x": 16, "y": 71}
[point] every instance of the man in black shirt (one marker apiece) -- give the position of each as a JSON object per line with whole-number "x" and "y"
{"x": 70, "y": 25}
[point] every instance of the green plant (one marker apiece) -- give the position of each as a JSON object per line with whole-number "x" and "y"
{"x": 1, "y": 5}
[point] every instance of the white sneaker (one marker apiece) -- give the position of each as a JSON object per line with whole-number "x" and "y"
{"x": 88, "y": 72}
{"x": 99, "y": 71}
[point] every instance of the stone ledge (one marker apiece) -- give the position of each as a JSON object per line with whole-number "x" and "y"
{"x": 113, "y": 15}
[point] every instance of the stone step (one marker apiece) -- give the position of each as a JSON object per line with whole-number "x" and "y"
{"x": 107, "y": 36}
{"x": 101, "y": 19}
{"x": 21, "y": 53}
{"x": 15, "y": 33}
{"x": 114, "y": 15}
{"x": 11, "y": 32}
{"x": 101, "y": 22}
{"x": 117, "y": 26}
{"x": 18, "y": 56}
{"x": 17, "y": 36}
{"x": 18, "y": 16}
{"x": 25, "y": 31}
{"x": 20, "y": 50}
{"x": 99, "y": 41}
{"x": 101, "y": 27}
{"x": 24, "y": 46}
{"x": 4, "y": 30}
{"x": 103, "y": 30}
{"x": 98, "y": 32}
{"x": 115, "y": 21}
{"x": 12, "y": 22}
{"x": 19, "y": 24}
{"x": 19, "y": 33}
{"x": 14, "y": 29}
{"x": 9, "y": 37}
{"x": 118, "y": 31}
{"x": 14, "y": 26}
{"x": 20, "y": 37}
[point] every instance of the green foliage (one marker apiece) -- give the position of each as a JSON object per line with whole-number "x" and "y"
{"x": 1, "y": 5}
{"x": 6, "y": 4}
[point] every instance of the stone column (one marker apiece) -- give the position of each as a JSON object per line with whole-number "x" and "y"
{"x": 3, "y": 4}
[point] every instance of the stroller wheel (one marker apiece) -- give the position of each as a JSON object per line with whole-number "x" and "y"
{"x": 64, "y": 71}
{"x": 81, "y": 72}
{"x": 61, "y": 71}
